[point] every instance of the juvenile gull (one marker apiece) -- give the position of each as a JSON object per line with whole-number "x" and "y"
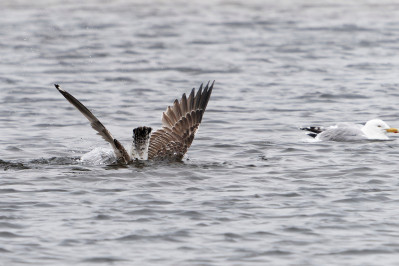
{"x": 375, "y": 129}
{"x": 179, "y": 125}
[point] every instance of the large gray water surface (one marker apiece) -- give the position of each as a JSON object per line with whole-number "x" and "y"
{"x": 252, "y": 188}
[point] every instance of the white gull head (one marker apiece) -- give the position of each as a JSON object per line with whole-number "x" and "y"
{"x": 377, "y": 129}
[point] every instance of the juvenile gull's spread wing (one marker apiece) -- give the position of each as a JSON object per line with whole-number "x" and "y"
{"x": 120, "y": 152}
{"x": 179, "y": 125}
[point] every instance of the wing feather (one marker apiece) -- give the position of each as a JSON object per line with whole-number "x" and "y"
{"x": 183, "y": 104}
{"x": 177, "y": 109}
{"x": 172, "y": 116}
{"x": 180, "y": 123}
{"x": 190, "y": 100}
{"x": 197, "y": 98}
{"x": 120, "y": 151}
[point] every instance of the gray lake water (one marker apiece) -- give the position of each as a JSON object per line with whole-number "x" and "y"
{"x": 252, "y": 190}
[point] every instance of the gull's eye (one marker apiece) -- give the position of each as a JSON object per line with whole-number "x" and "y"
{"x": 379, "y": 125}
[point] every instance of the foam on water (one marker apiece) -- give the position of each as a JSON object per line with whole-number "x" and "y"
{"x": 99, "y": 156}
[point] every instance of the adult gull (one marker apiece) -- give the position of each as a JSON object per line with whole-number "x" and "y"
{"x": 375, "y": 129}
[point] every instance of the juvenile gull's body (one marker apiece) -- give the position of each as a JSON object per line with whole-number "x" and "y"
{"x": 179, "y": 125}
{"x": 375, "y": 129}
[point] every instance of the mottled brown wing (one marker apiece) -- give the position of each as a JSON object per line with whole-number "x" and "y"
{"x": 180, "y": 123}
{"x": 120, "y": 151}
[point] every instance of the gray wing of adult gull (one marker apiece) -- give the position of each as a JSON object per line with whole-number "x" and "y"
{"x": 120, "y": 151}
{"x": 342, "y": 134}
{"x": 180, "y": 123}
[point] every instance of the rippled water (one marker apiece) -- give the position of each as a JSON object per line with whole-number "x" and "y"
{"x": 252, "y": 189}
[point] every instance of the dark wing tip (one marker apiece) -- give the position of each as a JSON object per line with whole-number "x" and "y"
{"x": 305, "y": 128}
{"x": 58, "y": 88}
{"x": 210, "y": 87}
{"x": 313, "y": 135}
{"x": 316, "y": 130}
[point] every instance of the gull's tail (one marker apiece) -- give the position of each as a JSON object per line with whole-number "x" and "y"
{"x": 141, "y": 141}
{"x": 314, "y": 131}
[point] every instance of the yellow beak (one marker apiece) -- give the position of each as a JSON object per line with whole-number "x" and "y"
{"x": 392, "y": 130}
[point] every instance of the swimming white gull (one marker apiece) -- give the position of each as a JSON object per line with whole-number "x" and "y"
{"x": 375, "y": 129}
